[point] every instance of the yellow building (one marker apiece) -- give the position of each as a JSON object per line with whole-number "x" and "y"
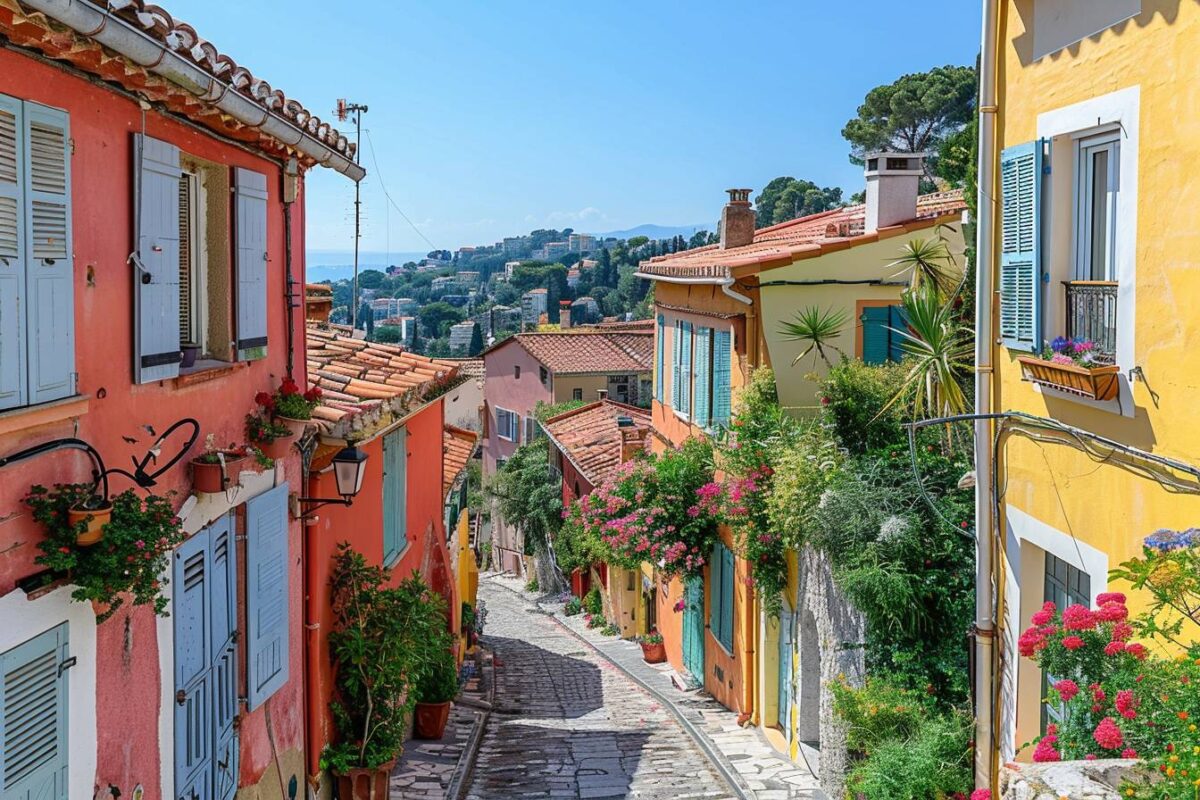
{"x": 1088, "y": 143}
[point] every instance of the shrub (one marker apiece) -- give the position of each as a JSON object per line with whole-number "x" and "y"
{"x": 573, "y": 607}
{"x": 934, "y": 762}
{"x": 439, "y": 684}
{"x": 610, "y": 629}
{"x": 593, "y": 603}
{"x": 855, "y": 396}
{"x": 594, "y": 621}
{"x": 532, "y": 586}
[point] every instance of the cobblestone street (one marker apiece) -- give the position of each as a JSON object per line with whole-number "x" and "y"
{"x": 567, "y": 724}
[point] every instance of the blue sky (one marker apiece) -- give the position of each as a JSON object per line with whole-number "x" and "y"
{"x": 493, "y": 117}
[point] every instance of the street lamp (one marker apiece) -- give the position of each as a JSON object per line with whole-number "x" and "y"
{"x": 349, "y": 467}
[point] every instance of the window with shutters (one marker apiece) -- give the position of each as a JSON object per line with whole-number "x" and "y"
{"x": 37, "y": 310}
{"x": 395, "y": 496}
{"x": 205, "y": 272}
{"x": 878, "y": 338}
{"x": 508, "y": 425}
{"x": 33, "y": 717}
{"x": 720, "y": 599}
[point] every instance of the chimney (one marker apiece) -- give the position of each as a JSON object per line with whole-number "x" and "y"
{"x": 564, "y": 314}
{"x": 893, "y": 180}
{"x": 737, "y": 220}
{"x": 633, "y": 440}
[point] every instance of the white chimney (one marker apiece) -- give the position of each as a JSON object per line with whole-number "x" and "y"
{"x": 893, "y": 180}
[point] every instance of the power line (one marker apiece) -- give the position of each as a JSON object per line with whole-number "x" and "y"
{"x": 382, "y": 186}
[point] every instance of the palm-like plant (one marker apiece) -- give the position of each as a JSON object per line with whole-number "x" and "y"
{"x": 929, "y": 262}
{"x": 818, "y": 329}
{"x": 939, "y": 349}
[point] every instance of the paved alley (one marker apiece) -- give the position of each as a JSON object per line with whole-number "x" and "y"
{"x": 567, "y": 724}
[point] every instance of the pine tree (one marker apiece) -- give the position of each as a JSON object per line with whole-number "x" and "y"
{"x": 476, "y": 346}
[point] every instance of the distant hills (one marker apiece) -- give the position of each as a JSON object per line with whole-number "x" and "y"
{"x": 659, "y": 231}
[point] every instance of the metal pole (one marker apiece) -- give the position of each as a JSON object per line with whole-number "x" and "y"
{"x": 357, "y": 214}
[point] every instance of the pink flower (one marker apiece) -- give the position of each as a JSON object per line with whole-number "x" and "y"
{"x": 1129, "y": 752}
{"x": 1126, "y": 703}
{"x": 1136, "y": 650}
{"x": 1108, "y": 735}
{"x": 1114, "y": 648}
{"x": 1045, "y": 615}
{"x": 981, "y": 794}
{"x": 1045, "y": 750}
{"x": 1078, "y": 618}
{"x": 1067, "y": 689}
{"x": 1110, "y": 597}
{"x": 1031, "y": 642}
{"x": 1112, "y": 612}
{"x": 1090, "y": 757}
{"x": 1121, "y": 631}
{"x": 1072, "y": 642}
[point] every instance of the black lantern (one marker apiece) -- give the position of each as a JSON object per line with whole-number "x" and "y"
{"x": 349, "y": 467}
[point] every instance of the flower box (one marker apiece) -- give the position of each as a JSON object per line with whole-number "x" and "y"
{"x": 1094, "y": 383}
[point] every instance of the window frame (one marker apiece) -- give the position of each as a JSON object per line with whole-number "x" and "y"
{"x": 577, "y": 393}
{"x": 1083, "y": 208}
{"x": 513, "y": 431}
{"x": 1076, "y": 587}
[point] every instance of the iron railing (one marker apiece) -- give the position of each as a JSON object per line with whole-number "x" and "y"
{"x": 1092, "y": 314}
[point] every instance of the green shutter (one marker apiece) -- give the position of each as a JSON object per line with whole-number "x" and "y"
{"x": 727, "y": 576}
{"x": 686, "y": 370}
{"x": 897, "y": 322}
{"x": 715, "y": 565}
{"x": 13, "y": 370}
{"x": 1020, "y": 246}
{"x": 395, "y": 494}
{"x": 703, "y": 383}
{"x": 267, "y": 568}
{"x": 876, "y": 338}
{"x": 722, "y": 361}
{"x": 33, "y": 718}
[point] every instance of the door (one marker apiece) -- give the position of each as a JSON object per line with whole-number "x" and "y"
{"x": 693, "y": 627}
{"x": 785, "y": 671}
{"x": 33, "y": 718}
{"x": 205, "y": 612}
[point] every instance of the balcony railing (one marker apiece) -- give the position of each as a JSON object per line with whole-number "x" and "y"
{"x": 1092, "y": 314}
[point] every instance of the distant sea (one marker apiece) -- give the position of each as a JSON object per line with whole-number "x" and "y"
{"x": 330, "y": 265}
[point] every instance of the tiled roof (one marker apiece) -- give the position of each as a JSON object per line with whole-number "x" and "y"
{"x": 586, "y": 350}
{"x": 458, "y": 445}
{"x": 805, "y": 237}
{"x": 365, "y": 385}
{"x": 591, "y": 437}
{"x": 33, "y": 29}
{"x": 471, "y": 367}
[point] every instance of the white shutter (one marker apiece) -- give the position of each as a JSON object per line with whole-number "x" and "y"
{"x": 250, "y": 229}
{"x": 156, "y": 260}
{"x": 49, "y": 288}
{"x": 13, "y": 390}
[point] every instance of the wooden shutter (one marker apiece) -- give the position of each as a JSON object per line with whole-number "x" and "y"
{"x": 192, "y": 615}
{"x": 875, "y": 334}
{"x": 1020, "y": 246}
{"x": 897, "y": 324}
{"x": 676, "y": 339}
{"x": 267, "y": 570}
{"x": 13, "y": 370}
{"x": 722, "y": 388}
{"x": 727, "y": 575}
{"x": 395, "y": 494}
{"x": 715, "y": 565}
{"x": 685, "y": 369}
{"x": 49, "y": 288}
{"x": 659, "y": 356}
{"x": 33, "y": 718}
{"x": 223, "y": 613}
{"x": 250, "y": 230}
{"x": 156, "y": 353}
{"x": 703, "y": 382}
{"x": 186, "y": 285}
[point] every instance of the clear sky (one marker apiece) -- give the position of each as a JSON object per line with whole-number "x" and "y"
{"x": 493, "y": 117}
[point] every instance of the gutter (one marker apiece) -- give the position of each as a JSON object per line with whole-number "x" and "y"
{"x": 726, "y": 284}
{"x": 123, "y": 38}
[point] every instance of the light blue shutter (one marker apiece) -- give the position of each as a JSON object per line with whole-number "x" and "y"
{"x": 192, "y": 614}
{"x": 13, "y": 370}
{"x": 715, "y": 565}
{"x": 685, "y": 370}
{"x": 727, "y": 576}
{"x": 33, "y": 718}
{"x": 658, "y": 359}
{"x": 1020, "y": 246}
{"x": 676, "y": 349}
{"x": 223, "y": 605}
{"x": 156, "y": 353}
{"x": 250, "y": 230}
{"x": 785, "y": 672}
{"x": 267, "y": 570}
{"x": 722, "y": 388}
{"x": 703, "y": 382}
{"x": 49, "y": 290}
{"x": 395, "y": 494}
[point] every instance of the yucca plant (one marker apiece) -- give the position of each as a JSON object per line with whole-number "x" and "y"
{"x": 929, "y": 262}
{"x": 938, "y": 349}
{"x": 818, "y": 329}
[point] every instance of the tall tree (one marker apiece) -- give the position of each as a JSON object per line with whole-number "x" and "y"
{"x": 476, "y": 345}
{"x": 915, "y": 114}
{"x": 787, "y": 198}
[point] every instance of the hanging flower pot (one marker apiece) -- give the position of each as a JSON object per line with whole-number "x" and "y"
{"x": 289, "y": 406}
{"x": 1094, "y": 383}
{"x": 297, "y": 427}
{"x": 96, "y": 518}
{"x": 210, "y": 475}
{"x": 277, "y": 448}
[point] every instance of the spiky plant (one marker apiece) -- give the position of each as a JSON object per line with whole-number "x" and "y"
{"x": 818, "y": 329}
{"x": 929, "y": 262}
{"x": 938, "y": 350}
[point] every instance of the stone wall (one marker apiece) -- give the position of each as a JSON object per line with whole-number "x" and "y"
{"x": 1078, "y": 780}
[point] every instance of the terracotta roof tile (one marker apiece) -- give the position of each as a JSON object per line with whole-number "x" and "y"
{"x": 804, "y": 237}
{"x": 458, "y": 445}
{"x": 588, "y": 350}
{"x": 591, "y": 437}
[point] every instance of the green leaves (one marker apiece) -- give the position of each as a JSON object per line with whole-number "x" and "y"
{"x": 938, "y": 350}
{"x": 818, "y": 329}
{"x": 929, "y": 263}
{"x": 786, "y": 198}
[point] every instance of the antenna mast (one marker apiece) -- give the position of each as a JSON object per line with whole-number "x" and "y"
{"x": 344, "y": 109}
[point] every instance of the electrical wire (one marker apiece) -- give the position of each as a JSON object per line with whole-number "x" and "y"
{"x": 383, "y": 186}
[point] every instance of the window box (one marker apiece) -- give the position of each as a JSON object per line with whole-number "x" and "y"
{"x": 1095, "y": 383}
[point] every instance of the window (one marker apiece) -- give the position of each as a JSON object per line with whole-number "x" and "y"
{"x": 702, "y": 359}
{"x": 508, "y": 424}
{"x": 517, "y": 372}
{"x": 660, "y": 334}
{"x": 395, "y": 495}
{"x": 878, "y": 340}
{"x": 37, "y": 310}
{"x": 33, "y": 716}
{"x": 577, "y": 394}
{"x": 204, "y": 314}
{"x": 1065, "y": 586}
{"x": 544, "y": 376}
{"x": 720, "y": 599}
{"x": 531, "y": 429}
{"x": 1097, "y": 183}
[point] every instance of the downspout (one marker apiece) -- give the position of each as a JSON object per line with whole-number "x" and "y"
{"x": 289, "y": 289}
{"x": 313, "y": 705}
{"x": 985, "y": 501}
{"x": 125, "y": 39}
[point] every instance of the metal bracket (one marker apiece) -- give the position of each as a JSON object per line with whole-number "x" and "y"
{"x": 66, "y": 664}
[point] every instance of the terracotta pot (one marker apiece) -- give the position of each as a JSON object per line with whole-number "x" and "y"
{"x": 296, "y": 426}
{"x": 365, "y": 784}
{"x": 211, "y": 478}
{"x": 429, "y": 720}
{"x": 654, "y": 653}
{"x": 278, "y": 448}
{"x": 96, "y": 520}
{"x": 1096, "y": 383}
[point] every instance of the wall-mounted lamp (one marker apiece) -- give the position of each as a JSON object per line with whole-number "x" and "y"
{"x": 349, "y": 467}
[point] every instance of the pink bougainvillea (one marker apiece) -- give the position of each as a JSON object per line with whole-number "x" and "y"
{"x": 1108, "y": 734}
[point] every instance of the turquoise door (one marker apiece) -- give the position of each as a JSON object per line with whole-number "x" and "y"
{"x": 693, "y": 627}
{"x": 785, "y": 672}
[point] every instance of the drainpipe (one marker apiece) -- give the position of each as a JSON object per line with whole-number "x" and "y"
{"x": 985, "y": 501}
{"x": 313, "y": 738}
{"x": 116, "y": 34}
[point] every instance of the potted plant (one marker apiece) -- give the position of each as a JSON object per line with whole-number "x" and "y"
{"x": 436, "y": 689}
{"x": 272, "y": 438}
{"x": 130, "y": 560}
{"x": 653, "y": 650}
{"x": 289, "y": 406}
{"x": 216, "y": 468}
{"x": 93, "y": 511}
{"x": 381, "y": 643}
{"x": 1072, "y": 365}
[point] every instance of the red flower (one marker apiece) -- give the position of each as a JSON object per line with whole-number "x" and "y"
{"x": 1129, "y": 752}
{"x": 289, "y": 386}
{"x": 313, "y": 394}
{"x": 1136, "y": 650}
{"x": 1045, "y": 750}
{"x": 981, "y": 794}
{"x": 1126, "y": 703}
{"x": 1072, "y": 642}
{"x": 1114, "y": 648}
{"x": 264, "y": 400}
{"x": 1121, "y": 631}
{"x": 1067, "y": 689}
{"x": 1110, "y": 597}
{"x": 1112, "y": 612}
{"x": 1078, "y": 618}
{"x": 1108, "y": 735}
{"x": 1045, "y": 615}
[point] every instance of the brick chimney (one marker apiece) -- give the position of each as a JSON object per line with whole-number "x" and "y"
{"x": 633, "y": 440}
{"x": 893, "y": 180}
{"x": 737, "y": 220}
{"x": 564, "y": 314}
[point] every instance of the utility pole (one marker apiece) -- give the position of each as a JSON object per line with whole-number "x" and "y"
{"x": 344, "y": 109}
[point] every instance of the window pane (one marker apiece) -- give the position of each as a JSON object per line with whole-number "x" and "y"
{"x": 1099, "y": 220}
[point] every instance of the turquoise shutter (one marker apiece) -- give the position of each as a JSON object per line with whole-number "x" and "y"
{"x": 223, "y": 613}
{"x": 685, "y": 369}
{"x": 250, "y": 232}
{"x": 897, "y": 323}
{"x": 715, "y": 566}
{"x": 395, "y": 494}
{"x": 13, "y": 374}
{"x": 658, "y": 359}
{"x": 703, "y": 382}
{"x": 156, "y": 260}
{"x": 267, "y": 570}
{"x": 192, "y": 614}
{"x": 727, "y": 576}
{"x": 676, "y": 349}
{"x": 49, "y": 288}
{"x": 1020, "y": 246}
{"x": 33, "y": 718}
{"x": 722, "y": 366}
{"x": 876, "y": 339}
